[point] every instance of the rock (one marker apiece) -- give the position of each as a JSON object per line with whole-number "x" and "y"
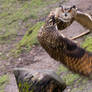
{"x": 38, "y": 80}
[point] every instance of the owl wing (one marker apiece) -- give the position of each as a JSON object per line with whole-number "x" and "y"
{"x": 72, "y": 49}
{"x": 76, "y": 58}
{"x": 84, "y": 19}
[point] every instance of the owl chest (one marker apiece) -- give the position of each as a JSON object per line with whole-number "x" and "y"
{"x": 62, "y": 25}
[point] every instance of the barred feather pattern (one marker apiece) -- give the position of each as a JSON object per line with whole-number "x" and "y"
{"x": 59, "y": 22}
{"x": 61, "y": 49}
{"x": 64, "y": 24}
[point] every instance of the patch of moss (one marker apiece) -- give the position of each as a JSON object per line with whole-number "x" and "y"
{"x": 29, "y": 39}
{"x": 80, "y": 88}
{"x": 70, "y": 78}
{"x": 61, "y": 69}
{"x": 66, "y": 75}
{"x": 3, "y": 82}
{"x": 88, "y": 44}
{"x": 7, "y": 37}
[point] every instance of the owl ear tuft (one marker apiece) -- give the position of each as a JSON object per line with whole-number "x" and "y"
{"x": 60, "y": 6}
{"x": 74, "y": 6}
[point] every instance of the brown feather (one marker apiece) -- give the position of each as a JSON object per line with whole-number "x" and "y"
{"x": 84, "y": 19}
{"x": 64, "y": 50}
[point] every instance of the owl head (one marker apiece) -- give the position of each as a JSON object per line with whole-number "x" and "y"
{"x": 65, "y": 13}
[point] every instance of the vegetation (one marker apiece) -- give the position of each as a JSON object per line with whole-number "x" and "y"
{"x": 88, "y": 44}
{"x": 17, "y": 14}
{"x": 67, "y": 76}
{"x": 3, "y": 82}
{"x": 29, "y": 39}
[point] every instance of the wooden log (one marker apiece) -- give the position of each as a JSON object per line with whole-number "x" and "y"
{"x": 38, "y": 81}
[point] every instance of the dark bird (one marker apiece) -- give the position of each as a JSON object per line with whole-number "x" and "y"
{"x": 64, "y": 50}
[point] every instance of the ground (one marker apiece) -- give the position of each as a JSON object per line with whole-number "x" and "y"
{"x": 17, "y": 17}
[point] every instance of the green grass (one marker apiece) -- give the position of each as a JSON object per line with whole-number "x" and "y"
{"x": 66, "y": 75}
{"x": 3, "y": 82}
{"x": 17, "y": 16}
{"x": 87, "y": 44}
{"x": 14, "y": 13}
{"x": 7, "y": 37}
{"x": 70, "y": 78}
{"x": 29, "y": 39}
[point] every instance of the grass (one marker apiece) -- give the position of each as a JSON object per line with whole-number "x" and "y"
{"x": 17, "y": 16}
{"x": 7, "y": 37}
{"x": 88, "y": 44}
{"x": 67, "y": 76}
{"x": 14, "y": 13}
{"x": 3, "y": 82}
{"x": 29, "y": 39}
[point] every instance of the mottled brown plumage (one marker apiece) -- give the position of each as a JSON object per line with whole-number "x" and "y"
{"x": 64, "y": 24}
{"x": 64, "y": 50}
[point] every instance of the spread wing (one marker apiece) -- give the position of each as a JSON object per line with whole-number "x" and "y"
{"x": 64, "y": 50}
{"x": 84, "y": 19}
{"x": 67, "y": 52}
